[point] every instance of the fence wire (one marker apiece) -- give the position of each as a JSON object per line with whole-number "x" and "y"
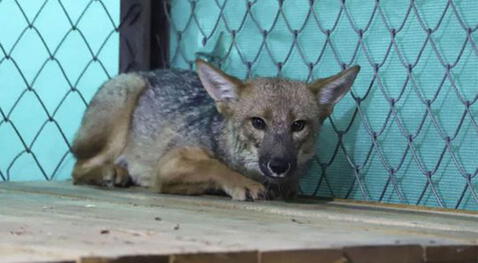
{"x": 407, "y": 133}
{"x": 52, "y": 59}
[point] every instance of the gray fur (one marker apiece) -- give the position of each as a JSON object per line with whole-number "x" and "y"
{"x": 173, "y": 111}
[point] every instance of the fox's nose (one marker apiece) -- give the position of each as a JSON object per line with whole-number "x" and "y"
{"x": 279, "y": 166}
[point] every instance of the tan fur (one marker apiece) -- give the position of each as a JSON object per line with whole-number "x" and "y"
{"x": 104, "y": 130}
{"x": 191, "y": 170}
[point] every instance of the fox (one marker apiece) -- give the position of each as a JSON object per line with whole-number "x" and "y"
{"x": 186, "y": 132}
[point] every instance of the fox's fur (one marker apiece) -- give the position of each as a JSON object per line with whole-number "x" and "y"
{"x": 185, "y": 132}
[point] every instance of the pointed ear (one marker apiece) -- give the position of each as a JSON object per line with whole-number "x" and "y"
{"x": 330, "y": 90}
{"x": 220, "y": 86}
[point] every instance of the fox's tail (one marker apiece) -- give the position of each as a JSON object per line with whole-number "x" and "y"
{"x": 105, "y": 124}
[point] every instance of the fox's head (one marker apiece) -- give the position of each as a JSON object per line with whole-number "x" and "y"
{"x": 276, "y": 120}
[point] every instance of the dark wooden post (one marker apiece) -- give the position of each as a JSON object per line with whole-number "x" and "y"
{"x": 135, "y": 35}
{"x": 144, "y": 35}
{"x": 160, "y": 34}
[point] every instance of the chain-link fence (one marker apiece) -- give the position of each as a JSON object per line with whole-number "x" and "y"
{"x": 53, "y": 56}
{"x": 406, "y": 134}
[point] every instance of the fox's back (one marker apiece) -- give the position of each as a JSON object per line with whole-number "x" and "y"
{"x": 173, "y": 111}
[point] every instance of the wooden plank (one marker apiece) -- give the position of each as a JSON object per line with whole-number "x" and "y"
{"x": 304, "y": 255}
{"x": 127, "y": 259}
{"x": 54, "y": 221}
{"x": 389, "y": 254}
{"x": 230, "y": 257}
{"x": 442, "y": 254}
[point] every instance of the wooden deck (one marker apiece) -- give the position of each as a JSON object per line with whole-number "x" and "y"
{"x": 56, "y": 221}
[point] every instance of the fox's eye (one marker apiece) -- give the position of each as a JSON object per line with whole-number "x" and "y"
{"x": 258, "y": 123}
{"x": 298, "y": 126}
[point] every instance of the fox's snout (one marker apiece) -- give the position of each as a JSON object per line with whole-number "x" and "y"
{"x": 277, "y": 156}
{"x": 278, "y": 167}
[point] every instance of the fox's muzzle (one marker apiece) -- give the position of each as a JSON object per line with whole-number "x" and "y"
{"x": 277, "y": 156}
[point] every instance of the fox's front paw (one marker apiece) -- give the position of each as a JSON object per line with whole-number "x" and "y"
{"x": 246, "y": 190}
{"x": 117, "y": 176}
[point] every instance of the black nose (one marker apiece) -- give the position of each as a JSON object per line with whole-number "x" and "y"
{"x": 279, "y": 166}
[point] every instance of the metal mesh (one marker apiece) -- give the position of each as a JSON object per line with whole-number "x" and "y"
{"x": 53, "y": 56}
{"x": 408, "y": 132}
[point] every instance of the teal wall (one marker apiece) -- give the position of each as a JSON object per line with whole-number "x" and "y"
{"x": 25, "y": 62}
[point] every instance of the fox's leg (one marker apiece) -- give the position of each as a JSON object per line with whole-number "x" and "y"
{"x": 193, "y": 171}
{"x": 94, "y": 172}
{"x": 102, "y": 169}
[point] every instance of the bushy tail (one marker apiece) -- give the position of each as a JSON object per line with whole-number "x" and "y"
{"x": 108, "y": 115}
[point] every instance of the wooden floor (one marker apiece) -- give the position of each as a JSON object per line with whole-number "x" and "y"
{"x": 55, "y": 221}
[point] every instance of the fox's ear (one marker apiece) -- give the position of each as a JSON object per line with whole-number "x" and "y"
{"x": 220, "y": 86}
{"x": 330, "y": 90}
